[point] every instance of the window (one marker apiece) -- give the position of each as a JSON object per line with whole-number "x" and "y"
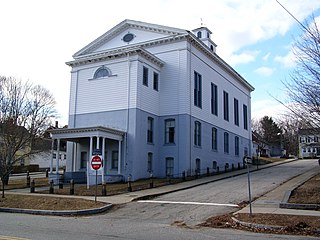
{"x": 246, "y": 151}
{"x": 197, "y": 133}
{"x": 236, "y": 111}
{"x": 236, "y": 145}
{"x": 169, "y": 166}
{"x": 150, "y": 130}
{"x": 169, "y": 135}
{"x": 156, "y": 81}
{"x": 214, "y": 164}
{"x": 214, "y": 99}
{"x": 114, "y": 160}
{"x": 225, "y": 106}
{"x": 197, "y": 90}
{"x": 84, "y": 159}
{"x": 226, "y": 142}
{"x": 214, "y": 139}
{"x": 245, "y": 117}
{"x": 145, "y": 76}
{"x": 101, "y": 72}
{"x": 199, "y": 34}
{"x": 150, "y": 156}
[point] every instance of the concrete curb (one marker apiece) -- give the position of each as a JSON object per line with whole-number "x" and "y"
{"x": 285, "y": 204}
{"x": 300, "y": 206}
{"x": 255, "y": 225}
{"x": 58, "y": 212}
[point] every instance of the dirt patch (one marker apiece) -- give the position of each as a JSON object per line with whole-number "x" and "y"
{"x": 47, "y": 203}
{"x": 292, "y": 224}
{"x": 307, "y": 193}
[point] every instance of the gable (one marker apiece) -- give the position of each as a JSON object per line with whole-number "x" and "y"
{"x": 128, "y": 33}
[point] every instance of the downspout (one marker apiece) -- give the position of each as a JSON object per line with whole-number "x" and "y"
{"x": 128, "y": 116}
{"x": 190, "y": 108}
{"x": 75, "y": 100}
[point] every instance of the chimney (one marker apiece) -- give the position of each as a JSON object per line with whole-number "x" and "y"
{"x": 56, "y": 125}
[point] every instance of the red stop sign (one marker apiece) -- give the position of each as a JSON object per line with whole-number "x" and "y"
{"x": 96, "y": 162}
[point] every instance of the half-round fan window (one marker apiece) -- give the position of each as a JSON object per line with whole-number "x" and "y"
{"x": 101, "y": 72}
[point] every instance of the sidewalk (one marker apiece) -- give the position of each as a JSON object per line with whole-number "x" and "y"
{"x": 270, "y": 202}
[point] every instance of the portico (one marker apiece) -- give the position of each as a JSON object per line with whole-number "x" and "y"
{"x": 83, "y": 143}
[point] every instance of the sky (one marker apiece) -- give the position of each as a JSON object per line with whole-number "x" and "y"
{"x": 255, "y": 37}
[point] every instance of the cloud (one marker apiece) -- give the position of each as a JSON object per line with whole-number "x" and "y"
{"x": 264, "y": 71}
{"x": 242, "y": 58}
{"x": 266, "y": 57}
{"x": 287, "y": 61}
{"x": 267, "y": 107}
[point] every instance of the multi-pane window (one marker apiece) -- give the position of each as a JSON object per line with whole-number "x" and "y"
{"x": 226, "y": 142}
{"x": 225, "y": 106}
{"x": 169, "y": 128}
{"x": 214, "y": 99}
{"x": 197, "y": 90}
{"x": 169, "y": 166}
{"x": 150, "y": 130}
{"x": 245, "y": 116}
{"x": 145, "y": 76}
{"x": 114, "y": 160}
{"x": 150, "y": 160}
{"x": 197, "y": 133}
{"x": 236, "y": 111}
{"x": 214, "y": 139}
{"x": 236, "y": 145}
{"x": 155, "y": 81}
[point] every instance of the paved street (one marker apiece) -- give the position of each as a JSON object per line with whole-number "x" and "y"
{"x": 154, "y": 220}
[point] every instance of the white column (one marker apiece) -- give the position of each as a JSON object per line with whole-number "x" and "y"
{"x": 98, "y": 142}
{"x": 51, "y": 160}
{"x": 119, "y": 158}
{"x": 57, "y": 156}
{"x": 75, "y": 155}
{"x": 103, "y": 158}
{"x": 88, "y": 163}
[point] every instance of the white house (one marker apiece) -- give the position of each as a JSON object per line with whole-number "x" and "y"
{"x": 154, "y": 99}
{"x": 309, "y": 143}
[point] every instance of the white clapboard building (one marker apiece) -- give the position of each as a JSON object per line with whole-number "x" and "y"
{"x": 154, "y": 99}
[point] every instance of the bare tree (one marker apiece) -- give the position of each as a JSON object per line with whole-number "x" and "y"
{"x": 304, "y": 88}
{"x": 25, "y": 113}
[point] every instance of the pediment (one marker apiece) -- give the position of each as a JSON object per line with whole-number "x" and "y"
{"x": 126, "y": 34}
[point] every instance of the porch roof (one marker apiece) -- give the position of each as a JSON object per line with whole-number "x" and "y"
{"x": 72, "y": 134}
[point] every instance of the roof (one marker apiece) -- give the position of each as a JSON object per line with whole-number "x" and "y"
{"x": 86, "y": 54}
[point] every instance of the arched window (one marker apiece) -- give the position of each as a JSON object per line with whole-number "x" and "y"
{"x": 199, "y": 34}
{"x": 101, "y": 72}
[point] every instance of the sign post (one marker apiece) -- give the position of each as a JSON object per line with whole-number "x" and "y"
{"x": 248, "y": 161}
{"x": 96, "y": 163}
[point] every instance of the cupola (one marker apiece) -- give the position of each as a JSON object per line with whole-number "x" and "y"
{"x": 204, "y": 34}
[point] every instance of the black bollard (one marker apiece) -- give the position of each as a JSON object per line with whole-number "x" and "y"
{"x": 208, "y": 172}
{"x": 239, "y": 167}
{"x": 28, "y": 180}
{"x": 51, "y": 189}
{"x": 47, "y": 173}
{"x": 151, "y": 180}
{"x": 32, "y": 186}
{"x": 61, "y": 180}
{"x": 104, "y": 189}
{"x": 218, "y": 169}
{"x": 183, "y": 175}
{"x": 129, "y": 184}
{"x": 232, "y": 167}
{"x": 71, "y": 187}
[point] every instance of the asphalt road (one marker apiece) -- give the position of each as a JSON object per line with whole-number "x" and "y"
{"x": 140, "y": 220}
